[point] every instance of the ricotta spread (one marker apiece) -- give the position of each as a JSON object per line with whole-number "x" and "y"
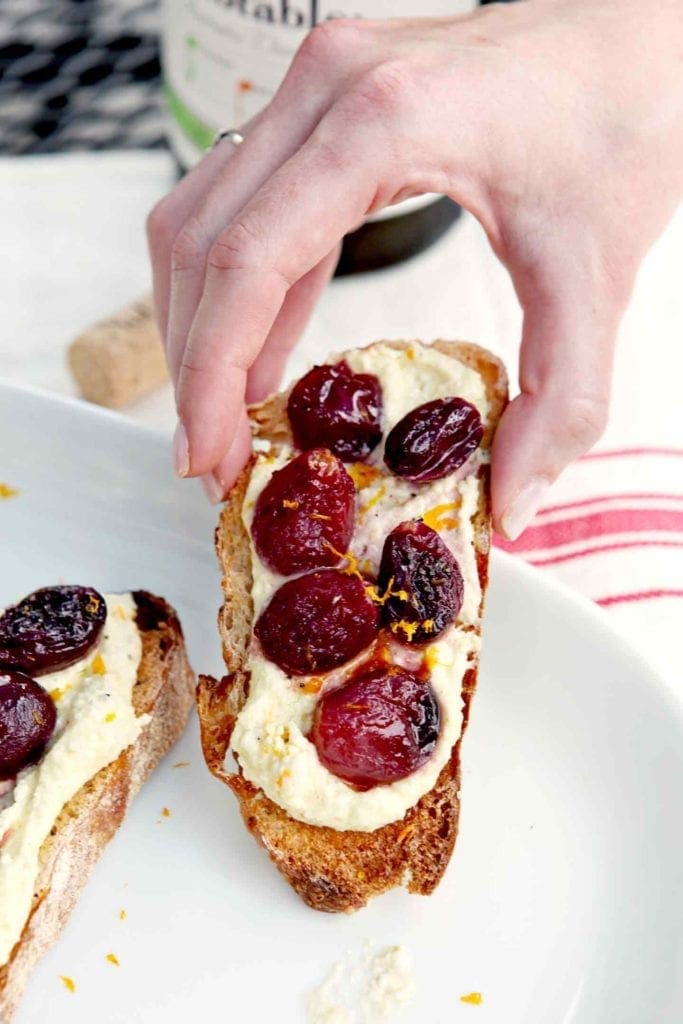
{"x": 95, "y": 722}
{"x": 270, "y": 734}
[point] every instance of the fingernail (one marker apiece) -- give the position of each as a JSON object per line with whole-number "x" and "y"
{"x": 212, "y": 488}
{"x": 524, "y": 507}
{"x": 181, "y": 451}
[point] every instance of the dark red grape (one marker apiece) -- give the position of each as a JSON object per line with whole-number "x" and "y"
{"x": 304, "y": 515}
{"x": 317, "y": 622}
{"x": 433, "y": 440}
{"x": 421, "y": 583}
{"x": 27, "y": 721}
{"x": 378, "y": 728}
{"x": 332, "y": 407}
{"x": 51, "y": 629}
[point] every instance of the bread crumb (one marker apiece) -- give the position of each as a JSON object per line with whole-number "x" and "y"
{"x": 473, "y": 998}
{"x": 8, "y": 492}
{"x": 122, "y": 914}
{"x": 181, "y": 764}
{"x": 365, "y": 989}
{"x": 68, "y": 983}
{"x": 112, "y": 959}
{"x": 98, "y": 666}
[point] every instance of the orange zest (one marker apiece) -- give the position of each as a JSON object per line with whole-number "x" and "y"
{"x": 110, "y": 717}
{"x": 312, "y": 685}
{"x": 98, "y": 666}
{"x": 350, "y": 568}
{"x": 374, "y": 594}
{"x": 438, "y": 517}
{"x": 377, "y": 497}
{"x": 473, "y": 998}
{"x": 409, "y": 628}
{"x": 8, "y": 492}
{"x": 112, "y": 959}
{"x": 69, "y": 983}
{"x": 286, "y": 503}
{"x": 320, "y": 515}
{"x": 362, "y": 474}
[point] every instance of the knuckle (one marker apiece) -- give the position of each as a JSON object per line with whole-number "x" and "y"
{"x": 328, "y": 42}
{"x": 585, "y": 419}
{"x": 238, "y": 248}
{"x": 386, "y": 89}
{"x": 187, "y": 250}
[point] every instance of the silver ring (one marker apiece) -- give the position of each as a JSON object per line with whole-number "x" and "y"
{"x": 228, "y": 133}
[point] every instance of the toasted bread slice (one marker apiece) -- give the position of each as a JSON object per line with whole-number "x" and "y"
{"x": 164, "y": 690}
{"x": 335, "y": 870}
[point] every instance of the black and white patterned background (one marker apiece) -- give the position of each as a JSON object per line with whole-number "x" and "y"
{"x": 79, "y": 74}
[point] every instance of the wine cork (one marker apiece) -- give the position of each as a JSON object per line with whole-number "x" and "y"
{"x": 120, "y": 358}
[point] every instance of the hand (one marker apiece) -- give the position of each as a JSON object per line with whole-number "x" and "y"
{"x": 557, "y": 123}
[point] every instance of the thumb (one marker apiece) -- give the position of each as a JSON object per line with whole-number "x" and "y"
{"x": 565, "y": 375}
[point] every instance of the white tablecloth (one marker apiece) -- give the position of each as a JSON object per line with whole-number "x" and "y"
{"x": 72, "y": 250}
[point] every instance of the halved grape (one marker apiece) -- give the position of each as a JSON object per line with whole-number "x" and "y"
{"x": 317, "y": 622}
{"x": 378, "y": 728}
{"x": 334, "y": 408}
{"x": 27, "y": 721}
{"x": 304, "y": 515}
{"x": 51, "y": 629}
{"x": 421, "y": 583}
{"x": 433, "y": 440}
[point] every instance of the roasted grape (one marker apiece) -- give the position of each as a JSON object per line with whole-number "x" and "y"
{"x": 420, "y": 581}
{"x": 304, "y": 515}
{"x": 334, "y": 408}
{"x": 27, "y": 721}
{"x": 315, "y": 623}
{"x": 433, "y": 440}
{"x": 378, "y": 728}
{"x": 51, "y": 629}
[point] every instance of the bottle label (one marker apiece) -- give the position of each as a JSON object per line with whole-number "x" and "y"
{"x": 224, "y": 59}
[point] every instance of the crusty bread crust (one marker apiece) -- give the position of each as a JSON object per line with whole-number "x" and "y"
{"x": 164, "y": 690}
{"x": 333, "y": 870}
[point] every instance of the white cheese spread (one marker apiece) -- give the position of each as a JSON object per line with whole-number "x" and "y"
{"x": 270, "y": 734}
{"x": 95, "y": 722}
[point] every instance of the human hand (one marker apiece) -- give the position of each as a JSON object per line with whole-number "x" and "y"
{"x": 557, "y": 123}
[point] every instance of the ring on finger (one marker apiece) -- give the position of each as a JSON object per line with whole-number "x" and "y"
{"x": 228, "y": 133}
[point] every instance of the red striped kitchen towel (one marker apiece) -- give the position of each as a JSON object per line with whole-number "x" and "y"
{"x": 614, "y": 532}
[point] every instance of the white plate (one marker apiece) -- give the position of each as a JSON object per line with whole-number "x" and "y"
{"x": 564, "y": 900}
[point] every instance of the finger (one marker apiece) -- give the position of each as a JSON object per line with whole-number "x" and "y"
{"x": 565, "y": 372}
{"x": 221, "y": 479}
{"x": 330, "y": 58}
{"x": 279, "y": 237}
{"x": 168, "y": 216}
{"x": 266, "y": 372}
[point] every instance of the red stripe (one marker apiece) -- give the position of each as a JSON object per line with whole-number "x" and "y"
{"x": 642, "y": 595}
{"x": 597, "y": 524}
{"x": 554, "y": 559}
{"x": 623, "y": 496}
{"x": 626, "y": 452}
